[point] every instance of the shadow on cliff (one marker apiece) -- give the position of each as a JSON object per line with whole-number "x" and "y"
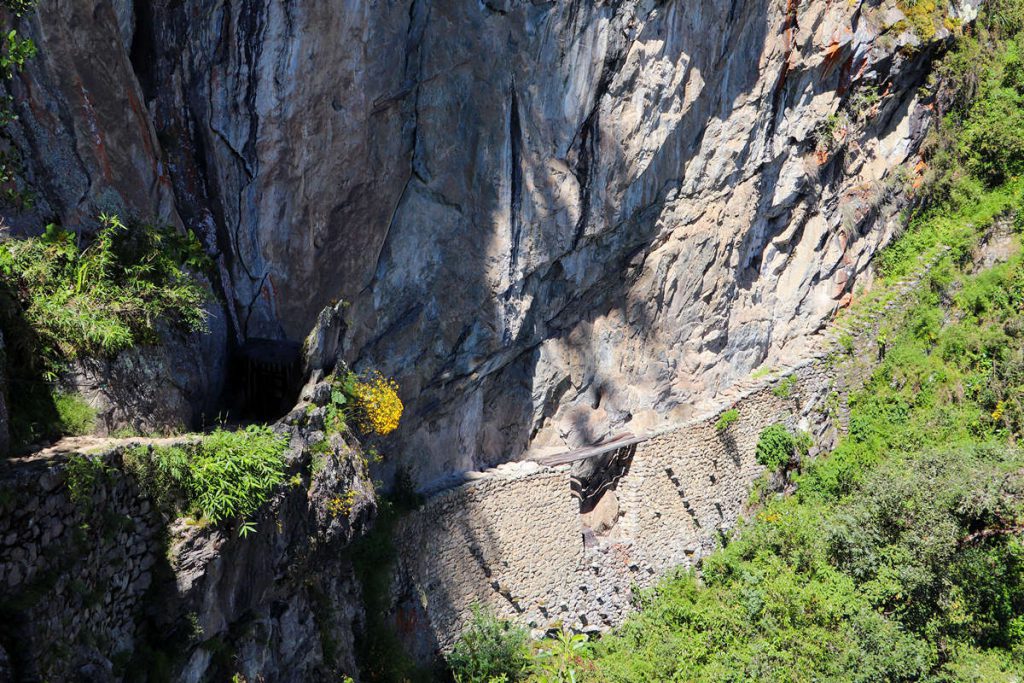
{"x": 484, "y": 405}
{"x": 482, "y": 402}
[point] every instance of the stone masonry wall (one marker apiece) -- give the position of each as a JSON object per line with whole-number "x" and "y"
{"x": 514, "y": 539}
{"x": 73, "y": 568}
{"x": 516, "y": 542}
{"x": 98, "y": 585}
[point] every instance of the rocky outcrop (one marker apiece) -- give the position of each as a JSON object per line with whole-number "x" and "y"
{"x": 170, "y": 387}
{"x": 98, "y": 584}
{"x": 551, "y": 219}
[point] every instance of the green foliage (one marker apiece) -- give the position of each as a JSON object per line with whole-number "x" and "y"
{"x": 490, "y": 648}
{"x": 233, "y": 473}
{"x": 900, "y": 557}
{"x": 41, "y": 412}
{"x": 82, "y": 476}
{"x": 993, "y": 134}
{"x": 845, "y": 342}
{"x": 15, "y": 52}
{"x": 226, "y": 475}
{"x": 343, "y": 389}
{"x": 75, "y": 415}
{"x": 560, "y": 659}
{"x": 829, "y": 133}
{"x": 727, "y": 418}
{"x": 864, "y": 589}
{"x": 924, "y": 16}
{"x": 108, "y": 296}
{"x": 975, "y": 152}
{"x": 784, "y": 389}
{"x": 59, "y": 301}
{"x": 776, "y": 447}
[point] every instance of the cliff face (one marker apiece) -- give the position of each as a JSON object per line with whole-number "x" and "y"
{"x": 98, "y": 583}
{"x": 553, "y": 220}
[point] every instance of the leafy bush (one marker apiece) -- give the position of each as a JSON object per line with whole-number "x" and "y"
{"x": 775, "y": 447}
{"x": 76, "y": 416}
{"x": 924, "y": 16}
{"x": 42, "y": 412}
{"x": 559, "y": 659}
{"x": 784, "y": 389}
{"x": 372, "y": 402}
{"x": 59, "y": 301}
{"x": 108, "y": 296}
{"x": 726, "y": 419}
{"x": 993, "y": 137}
{"x": 865, "y": 589}
{"x": 489, "y": 649}
{"x": 226, "y": 475}
{"x": 377, "y": 404}
{"x": 82, "y": 476}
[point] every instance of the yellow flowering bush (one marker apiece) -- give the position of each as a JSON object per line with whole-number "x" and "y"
{"x": 341, "y": 505}
{"x": 378, "y": 408}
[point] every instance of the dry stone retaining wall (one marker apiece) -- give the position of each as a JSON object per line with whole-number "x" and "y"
{"x": 516, "y": 542}
{"x": 73, "y": 569}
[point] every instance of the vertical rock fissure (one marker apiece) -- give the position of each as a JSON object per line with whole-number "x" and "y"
{"x": 515, "y": 182}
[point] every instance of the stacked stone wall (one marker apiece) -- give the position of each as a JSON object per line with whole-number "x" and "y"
{"x": 515, "y": 541}
{"x": 73, "y": 568}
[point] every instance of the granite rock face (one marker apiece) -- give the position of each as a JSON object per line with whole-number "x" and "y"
{"x": 553, "y": 220}
{"x": 173, "y": 386}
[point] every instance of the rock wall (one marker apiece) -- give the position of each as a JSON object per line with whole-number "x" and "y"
{"x": 74, "y": 573}
{"x": 97, "y": 584}
{"x": 521, "y": 541}
{"x": 174, "y": 386}
{"x": 518, "y": 543}
{"x": 552, "y": 220}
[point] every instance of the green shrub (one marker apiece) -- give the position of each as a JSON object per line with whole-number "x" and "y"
{"x": 226, "y": 475}
{"x": 59, "y": 301}
{"x": 490, "y": 648}
{"x": 785, "y": 386}
{"x": 727, "y": 418}
{"x": 993, "y": 137}
{"x": 75, "y": 415}
{"x": 40, "y": 413}
{"x": 82, "y": 476}
{"x": 776, "y": 447}
{"x": 559, "y": 659}
{"x": 108, "y": 296}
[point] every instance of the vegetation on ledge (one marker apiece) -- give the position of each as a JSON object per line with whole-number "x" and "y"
{"x": 62, "y": 298}
{"x": 223, "y": 476}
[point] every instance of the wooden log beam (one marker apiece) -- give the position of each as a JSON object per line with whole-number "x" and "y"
{"x": 620, "y": 441}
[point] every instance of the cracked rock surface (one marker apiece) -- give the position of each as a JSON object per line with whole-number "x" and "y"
{"x": 554, "y": 221}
